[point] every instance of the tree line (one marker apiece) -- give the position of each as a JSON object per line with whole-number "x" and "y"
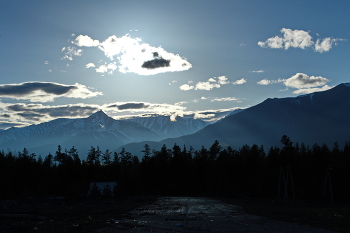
{"x": 290, "y": 170}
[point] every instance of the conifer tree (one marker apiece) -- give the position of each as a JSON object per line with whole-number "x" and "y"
{"x": 106, "y": 158}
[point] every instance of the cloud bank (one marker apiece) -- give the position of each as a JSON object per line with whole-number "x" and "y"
{"x": 298, "y": 39}
{"x": 134, "y": 56}
{"x": 24, "y": 114}
{"x": 45, "y": 91}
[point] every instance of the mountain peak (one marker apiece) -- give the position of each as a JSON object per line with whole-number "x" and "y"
{"x": 98, "y": 114}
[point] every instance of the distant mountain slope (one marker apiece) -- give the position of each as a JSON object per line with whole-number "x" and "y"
{"x": 167, "y": 128}
{"x": 321, "y": 117}
{"x": 95, "y": 130}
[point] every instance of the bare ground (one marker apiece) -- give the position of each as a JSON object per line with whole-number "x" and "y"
{"x": 199, "y": 214}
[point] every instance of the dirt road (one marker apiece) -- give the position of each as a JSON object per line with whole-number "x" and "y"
{"x": 199, "y": 214}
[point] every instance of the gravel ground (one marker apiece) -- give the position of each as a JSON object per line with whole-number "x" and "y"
{"x": 199, "y": 214}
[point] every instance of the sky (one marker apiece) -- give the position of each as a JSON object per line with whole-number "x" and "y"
{"x": 196, "y": 58}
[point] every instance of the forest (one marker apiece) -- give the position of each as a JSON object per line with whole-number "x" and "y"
{"x": 293, "y": 170}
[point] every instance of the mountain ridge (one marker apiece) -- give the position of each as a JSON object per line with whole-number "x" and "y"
{"x": 319, "y": 117}
{"x": 97, "y": 129}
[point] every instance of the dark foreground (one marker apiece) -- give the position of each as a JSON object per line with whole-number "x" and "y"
{"x": 200, "y": 214}
{"x": 167, "y": 214}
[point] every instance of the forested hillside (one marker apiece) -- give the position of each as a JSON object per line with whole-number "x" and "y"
{"x": 250, "y": 170}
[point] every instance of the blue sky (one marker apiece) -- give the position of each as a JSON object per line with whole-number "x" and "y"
{"x": 195, "y": 58}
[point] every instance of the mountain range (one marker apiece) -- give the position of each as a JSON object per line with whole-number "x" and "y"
{"x": 172, "y": 128}
{"x": 95, "y": 130}
{"x": 320, "y": 117}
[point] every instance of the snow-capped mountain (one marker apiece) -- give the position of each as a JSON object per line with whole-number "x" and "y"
{"x": 95, "y": 130}
{"x": 170, "y": 128}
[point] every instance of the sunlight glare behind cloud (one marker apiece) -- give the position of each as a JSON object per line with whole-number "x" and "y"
{"x": 134, "y": 56}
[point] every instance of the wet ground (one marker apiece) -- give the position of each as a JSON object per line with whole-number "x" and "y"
{"x": 199, "y": 214}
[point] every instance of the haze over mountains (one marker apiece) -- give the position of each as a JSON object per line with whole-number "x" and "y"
{"x": 320, "y": 117}
{"x": 96, "y": 130}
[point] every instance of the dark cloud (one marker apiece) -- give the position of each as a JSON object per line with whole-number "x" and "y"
{"x": 5, "y": 116}
{"x": 31, "y": 116}
{"x": 29, "y": 111}
{"x": 155, "y": 55}
{"x": 70, "y": 111}
{"x": 132, "y": 106}
{"x": 45, "y": 91}
{"x": 19, "y": 107}
{"x": 156, "y": 63}
{"x": 29, "y": 87}
{"x": 303, "y": 79}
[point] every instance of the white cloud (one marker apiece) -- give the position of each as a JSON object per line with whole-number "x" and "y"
{"x": 264, "y": 82}
{"x": 89, "y": 65}
{"x": 70, "y": 52}
{"x": 223, "y": 80}
{"x": 203, "y": 116}
{"x": 144, "y": 107}
{"x": 301, "y": 80}
{"x": 215, "y": 82}
{"x": 325, "y": 45}
{"x": 46, "y": 62}
{"x": 225, "y": 99}
{"x": 240, "y": 81}
{"x": 207, "y": 86}
{"x": 81, "y": 91}
{"x": 136, "y": 57}
{"x": 311, "y": 90}
{"x": 210, "y": 115}
{"x": 298, "y": 39}
{"x": 180, "y": 103}
{"x": 85, "y": 41}
{"x": 291, "y": 38}
{"x": 107, "y": 68}
{"x": 257, "y": 71}
{"x": 186, "y": 87}
{"x": 203, "y": 98}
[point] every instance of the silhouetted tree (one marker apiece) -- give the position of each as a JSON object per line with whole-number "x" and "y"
{"x": 106, "y": 158}
{"x": 147, "y": 153}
